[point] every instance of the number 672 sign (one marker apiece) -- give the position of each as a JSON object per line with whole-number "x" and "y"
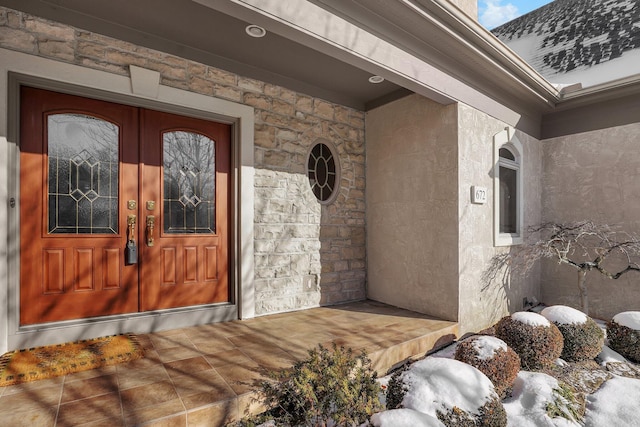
{"x": 478, "y": 195}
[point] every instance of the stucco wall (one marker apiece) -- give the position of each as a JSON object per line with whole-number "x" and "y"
{"x": 483, "y": 302}
{"x": 305, "y": 254}
{"x": 412, "y": 227}
{"x": 593, "y": 176}
{"x": 470, "y": 7}
{"x": 427, "y": 244}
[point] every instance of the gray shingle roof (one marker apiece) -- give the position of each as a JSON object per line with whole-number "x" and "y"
{"x": 568, "y": 35}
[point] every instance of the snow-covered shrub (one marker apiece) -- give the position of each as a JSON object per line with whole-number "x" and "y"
{"x": 583, "y": 338}
{"x": 328, "y": 386}
{"x": 493, "y": 358}
{"x": 623, "y": 333}
{"x": 537, "y": 341}
{"x": 454, "y": 392}
{"x": 540, "y": 400}
{"x": 396, "y": 389}
{"x": 404, "y": 417}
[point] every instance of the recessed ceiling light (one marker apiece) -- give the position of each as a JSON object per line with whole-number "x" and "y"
{"x": 255, "y": 31}
{"x": 376, "y": 79}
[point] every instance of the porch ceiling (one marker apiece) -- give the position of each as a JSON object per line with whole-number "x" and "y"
{"x": 193, "y": 31}
{"x": 424, "y": 46}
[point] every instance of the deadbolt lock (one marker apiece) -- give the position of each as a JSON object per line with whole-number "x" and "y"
{"x": 131, "y": 205}
{"x": 151, "y": 205}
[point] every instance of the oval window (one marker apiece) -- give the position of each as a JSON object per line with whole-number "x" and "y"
{"x": 322, "y": 171}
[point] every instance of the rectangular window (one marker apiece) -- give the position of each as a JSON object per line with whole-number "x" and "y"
{"x": 507, "y": 190}
{"x": 508, "y": 200}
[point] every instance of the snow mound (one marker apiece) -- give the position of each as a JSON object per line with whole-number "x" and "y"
{"x": 563, "y": 315}
{"x": 486, "y": 346}
{"x": 607, "y": 355}
{"x": 630, "y": 319}
{"x": 529, "y": 318}
{"x": 404, "y": 418}
{"x": 605, "y": 407}
{"x": 440, "y": 384}
{"x": 532, "y": 392}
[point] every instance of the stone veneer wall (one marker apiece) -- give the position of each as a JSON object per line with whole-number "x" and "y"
{"x": 305, "y": 254}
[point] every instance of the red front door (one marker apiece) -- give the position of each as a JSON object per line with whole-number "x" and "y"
{"x": 89, "y": 169}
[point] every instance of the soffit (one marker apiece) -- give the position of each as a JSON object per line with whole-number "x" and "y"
{"x": 189, "y": 30}
{"x": 443, "y": 36}
{"x": 433, "y": 31}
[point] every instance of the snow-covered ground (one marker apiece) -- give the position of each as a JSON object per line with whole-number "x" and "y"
{"x": 439, "y": 382}
{"x": 614, "y": 404}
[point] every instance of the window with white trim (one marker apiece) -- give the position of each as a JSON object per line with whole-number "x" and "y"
{"x": 508, "y": 197}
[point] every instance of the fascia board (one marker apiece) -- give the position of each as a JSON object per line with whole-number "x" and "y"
{"x": 468, "y": 32}
{"x": 327, "y": 32}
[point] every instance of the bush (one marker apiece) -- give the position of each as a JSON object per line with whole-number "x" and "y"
{"x": 583, "y": 338}
{"x": 396, "y": 389}
{"x": 449, "y": 390}
{"x": 624, "y": 340}
{"x": 566, "y": 404}
{"x": 492, "y": 414}
{"x": 492, "y": 357}
{"x": 537, "y": 341}
{"x": 328, "y": 385}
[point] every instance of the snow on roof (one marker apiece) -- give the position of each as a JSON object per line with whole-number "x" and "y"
{"x": 529, "y": 318}
{"x": 486, "y": 346}
{"x": 564, "y": 315}
{"x": 578, "y": 41}
{"x": 439, "y": 384}
{"x": 630, "y": 319}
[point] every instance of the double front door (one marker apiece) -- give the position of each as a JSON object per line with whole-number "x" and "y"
{"x": 122, "y": 209}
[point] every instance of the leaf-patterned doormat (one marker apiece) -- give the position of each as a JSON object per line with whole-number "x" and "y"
{"x": 50, "y": 361}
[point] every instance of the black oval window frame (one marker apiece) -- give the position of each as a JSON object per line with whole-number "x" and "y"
{"x": 323, "y": 153}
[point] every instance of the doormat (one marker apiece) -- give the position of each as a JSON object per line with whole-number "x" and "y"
{"x": 50, "y": 361}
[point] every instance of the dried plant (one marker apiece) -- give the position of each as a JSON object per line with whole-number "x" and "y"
{"x": 584, "y": 246}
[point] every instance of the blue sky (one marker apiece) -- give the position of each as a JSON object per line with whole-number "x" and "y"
{"x": 492, "y": 13}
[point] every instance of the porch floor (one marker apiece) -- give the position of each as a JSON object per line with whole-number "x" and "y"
{"x": 204, "y": 375}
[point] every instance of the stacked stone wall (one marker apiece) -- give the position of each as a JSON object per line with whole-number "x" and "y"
{"x": 306, "y": 254}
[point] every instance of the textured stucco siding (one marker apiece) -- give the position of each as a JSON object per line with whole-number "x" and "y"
{"x": 412, "y": 227}
{"x": 593, "y": 176}
{"x": 483, "y": 302}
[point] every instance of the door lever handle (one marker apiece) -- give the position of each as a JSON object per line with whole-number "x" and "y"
{"x": 151, "y": 223}
{"x": 131, "y": 228}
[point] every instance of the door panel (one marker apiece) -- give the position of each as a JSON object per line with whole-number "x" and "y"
{"x": 88, "y": 165}
{"x": 73, "y": 152}
{"x": 185, "y": 173}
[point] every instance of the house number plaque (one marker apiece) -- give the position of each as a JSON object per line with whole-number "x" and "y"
{"x": 478, "y": 195}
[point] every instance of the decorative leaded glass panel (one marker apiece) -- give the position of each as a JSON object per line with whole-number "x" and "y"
{"x": 83, "y": 175}
{"x": 189, "y": 183}
{"x": 322, "y": 172}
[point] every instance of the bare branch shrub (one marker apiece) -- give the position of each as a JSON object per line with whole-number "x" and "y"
{"x": 584, "y": 246}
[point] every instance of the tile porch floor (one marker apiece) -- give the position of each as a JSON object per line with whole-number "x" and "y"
{"x": 201, "y": 376}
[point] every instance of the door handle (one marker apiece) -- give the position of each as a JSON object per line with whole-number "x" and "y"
{"x": 151, "y": 223}
{"x": 131, "y": 228}
{"x": 131, "y": 250}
